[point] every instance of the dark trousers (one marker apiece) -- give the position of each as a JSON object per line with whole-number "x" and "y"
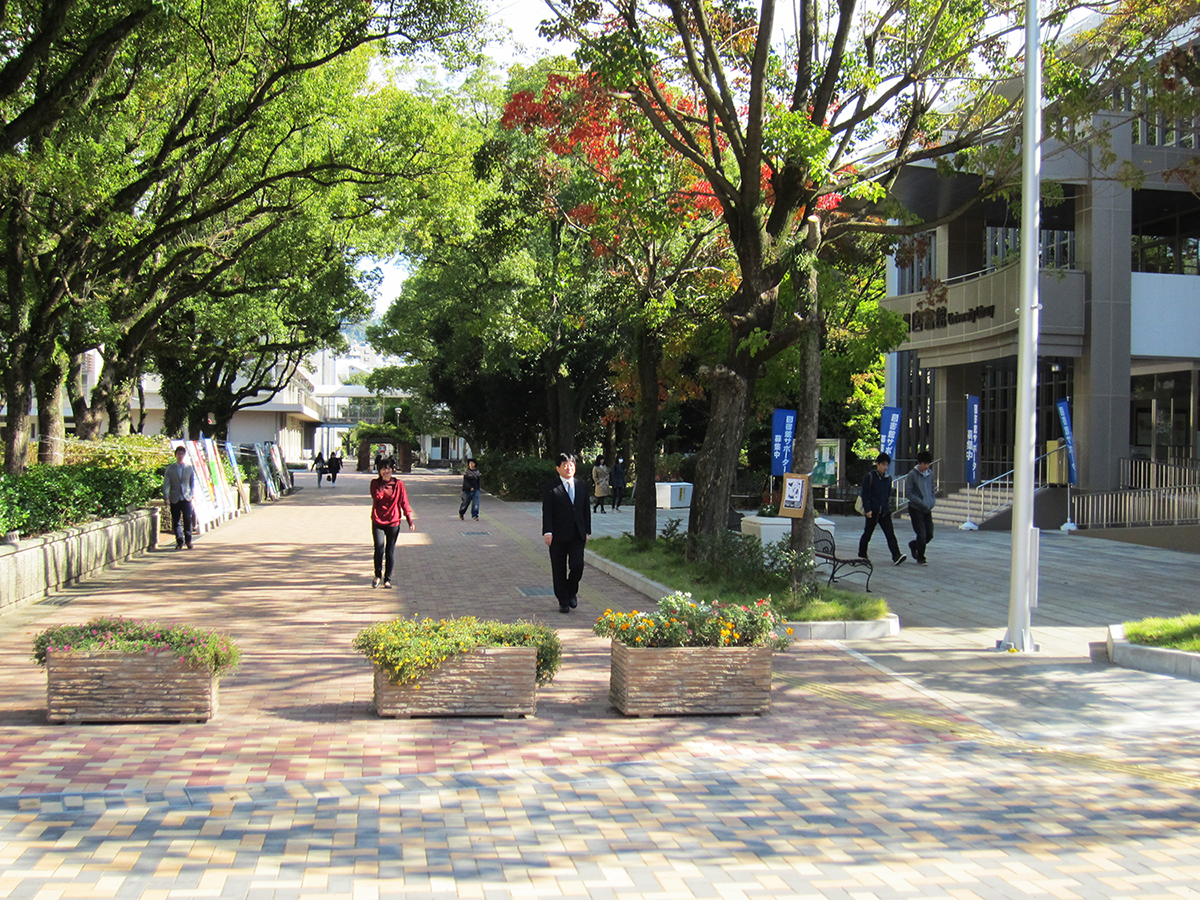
{"x": 385, "y": 549}
{"x": 884, "y": 521}
{"x": 471, "y": 499}
{"x": 181, "y": 522}
{"x": 566, "y": 562}
{"x": 618, "y": 496}
{"x": 922, "y": 523}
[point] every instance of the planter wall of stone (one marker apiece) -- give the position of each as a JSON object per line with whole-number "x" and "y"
{"x": 1159, "y": 660}
{"x": 113, "y": 686}
{"x": 38, "y": 566}
{"x": 845, "y": 631}
{"x": 654, "y": 681}
{"x": 487, "y": 681}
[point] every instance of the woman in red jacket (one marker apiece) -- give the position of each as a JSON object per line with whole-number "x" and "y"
{"x": 389, "y": 501}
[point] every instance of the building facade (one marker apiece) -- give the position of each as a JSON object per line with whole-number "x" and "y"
{"x": 1120, "y": 318}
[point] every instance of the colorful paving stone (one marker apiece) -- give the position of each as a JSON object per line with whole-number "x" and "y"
{"x": 924, "y": 766}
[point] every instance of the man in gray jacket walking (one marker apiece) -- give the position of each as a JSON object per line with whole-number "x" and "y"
{"x": 919, "y": 489}
{"x": 179, "y": 486}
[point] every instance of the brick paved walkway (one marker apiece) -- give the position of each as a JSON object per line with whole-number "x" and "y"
{"x": 877, "y": 775}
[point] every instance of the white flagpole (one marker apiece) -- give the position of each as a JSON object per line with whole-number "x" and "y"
{"x": 1024, "y": 559}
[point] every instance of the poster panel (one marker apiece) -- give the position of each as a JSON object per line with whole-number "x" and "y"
{"x": 795, "y": 495}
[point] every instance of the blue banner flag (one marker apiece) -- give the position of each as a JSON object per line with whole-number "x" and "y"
{"x": 889, "y": 430}
{"x": 972, "y": 439}
{"x": 783, "y": 433}
{"x": 1064, "y": 415}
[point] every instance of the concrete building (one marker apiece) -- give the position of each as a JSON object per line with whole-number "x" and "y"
{"x": 1120, "y": 320}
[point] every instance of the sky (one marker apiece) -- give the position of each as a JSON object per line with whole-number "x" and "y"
{"x": 521, "y": 18}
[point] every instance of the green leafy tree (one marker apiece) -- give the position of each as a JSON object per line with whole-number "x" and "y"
{"x": 799, "y": 139}
{"x": 149, "y": 159}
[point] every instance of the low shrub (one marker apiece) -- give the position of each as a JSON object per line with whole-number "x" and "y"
{"x": 48, "y": 498}
{"x": 98, "y": 479}
{"x": 680, "y": 621}
{"x": 1179, "y": 633}
{"x": 408, "y": 648}
{"x": 515, "y": 478}
{"x": 198, "y": 647}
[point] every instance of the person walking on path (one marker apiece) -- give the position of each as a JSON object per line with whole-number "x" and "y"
{"x": 876, "y": 493}
{"x": 919, "y": 489}
{"x": 179, "y": 487}
{"x": 334, "y": 466}
{"x": 600, "y": 480}
{"x": 389, "y": 501}
{"x": 616, "y": 480}
{"x": 470, "y": 491}
{"x": 566, "y": 527}
{"x": 318, "y": 465}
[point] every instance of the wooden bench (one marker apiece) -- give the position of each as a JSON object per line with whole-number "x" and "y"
{"x": 825, "y": 551}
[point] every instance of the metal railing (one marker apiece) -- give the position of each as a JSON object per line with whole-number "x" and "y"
{"x": 995, "y": 495}
{"x": 1177, "y": 505}
{"x": 1140, "y": 474}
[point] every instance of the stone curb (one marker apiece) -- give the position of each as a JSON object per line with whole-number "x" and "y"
{"x": 1178, "y": 663}
{"x": 846, "y": 631}
{"x": 628, "y": 577}
{"x": 801, "y": 631}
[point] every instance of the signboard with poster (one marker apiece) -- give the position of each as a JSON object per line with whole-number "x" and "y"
{"x": 828, "y": 462}
{"x": 795, "y": 496}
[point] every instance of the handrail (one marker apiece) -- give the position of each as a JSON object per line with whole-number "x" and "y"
{"x": 969, "y": 525}
{"x": 1177, "y": 505}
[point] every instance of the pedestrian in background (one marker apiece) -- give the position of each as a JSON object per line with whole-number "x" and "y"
{"x": 470, "y": 491}
{"x": 600, "y": 482}
{"x": 318, "y": 465}
{"x": 616, "y": 479}
{"x": 919, "y": 489}
{"x": 179, "y": 487}
{"x": 334, "y": 466}
{"x": 876, "y": 493}
{"x": 389, "y": 502}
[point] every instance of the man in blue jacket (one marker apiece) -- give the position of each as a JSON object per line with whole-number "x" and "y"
{"x": 876, "y": 493}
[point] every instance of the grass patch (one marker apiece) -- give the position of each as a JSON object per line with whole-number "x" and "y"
{"x": 1179, "y": 633}
{"x": 662, "y": 563}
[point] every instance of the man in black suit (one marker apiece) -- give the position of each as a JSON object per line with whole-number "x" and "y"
{"x": 566, "y": 527}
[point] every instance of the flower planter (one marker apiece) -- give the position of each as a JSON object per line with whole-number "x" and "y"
{"x": 656, "y": 681}
{"x": 486, "y": 681}
{"x": 116, "y": 686}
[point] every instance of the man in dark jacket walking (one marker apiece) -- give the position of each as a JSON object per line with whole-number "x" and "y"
{"x": 566, "y": 527}
{"x": 919, "y": 490}
{"x": 876, "y": 493}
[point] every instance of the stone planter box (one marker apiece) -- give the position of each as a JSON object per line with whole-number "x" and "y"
{"x": 486, "y": 681}
{"x": 1159, "y": 660}
{"x": 845, "y": 631}
{"x": 657, "y": 681}
{"x": 114, "y": 686}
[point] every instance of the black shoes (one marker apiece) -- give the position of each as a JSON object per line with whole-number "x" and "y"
{"x": 564, "y": 609}
{"x": 574, "y": 602}
{"x": 899, "y": 559}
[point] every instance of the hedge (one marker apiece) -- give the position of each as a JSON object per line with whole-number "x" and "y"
{"x": 101, "y": 478}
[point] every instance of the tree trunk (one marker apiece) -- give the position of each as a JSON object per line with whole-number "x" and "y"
{"x": 118, "y": 408}
{"x": 645, "y": 513}
{"x": 52, "y": 430}
{"x": 87, "y": 421}
{"x": 716, "y": 463}
{"x": 16, "y": 433}
{"x": 804, "y": 445}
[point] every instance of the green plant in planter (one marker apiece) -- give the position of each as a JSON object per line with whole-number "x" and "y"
{"x": 408, "y": 648}
{"x": 199, "y": 647}
{"x": 682, "y": 622}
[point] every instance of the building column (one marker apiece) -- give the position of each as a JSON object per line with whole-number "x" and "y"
{"x": 1103, "y": 224}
